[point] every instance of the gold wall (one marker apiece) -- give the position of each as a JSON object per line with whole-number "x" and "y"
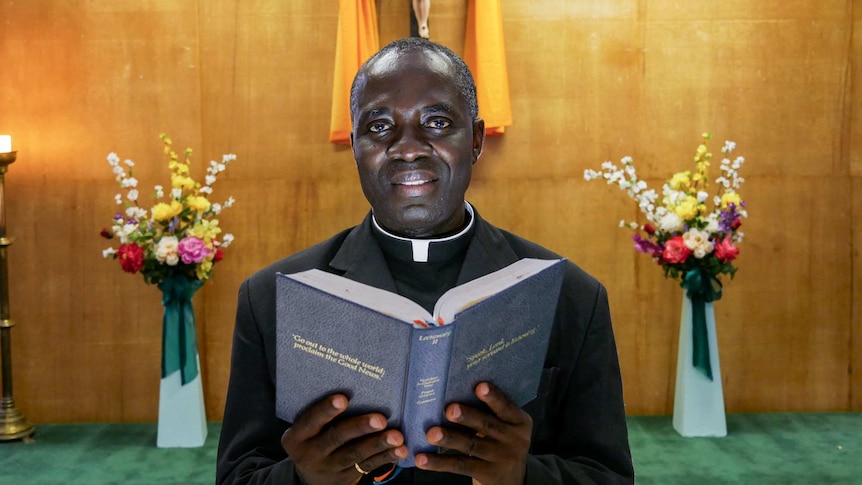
{"x": 590, "y": 81}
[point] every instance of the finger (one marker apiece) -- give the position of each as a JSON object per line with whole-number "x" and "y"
{"x": 469, "y": 444}
{"x": 371, "y": 451}
{"x": 500, "y": 404}
{"x": 376, "y": 454}
{"x": 340, "y": 433}
{"x": 315, "y": 418}
{"x": 458, "y": 464}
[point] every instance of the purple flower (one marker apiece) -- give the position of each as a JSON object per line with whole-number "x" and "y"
{"x": 646, "y": 246}
{"x": 728, "y": 219}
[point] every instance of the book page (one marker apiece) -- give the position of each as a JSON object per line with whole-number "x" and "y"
{"x": 464, "y": 296}
{"x": 381, "y": 301}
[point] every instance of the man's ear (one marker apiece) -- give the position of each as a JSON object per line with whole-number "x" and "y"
{"x": 478, "y": 138}
{"x": 352, "y": 148}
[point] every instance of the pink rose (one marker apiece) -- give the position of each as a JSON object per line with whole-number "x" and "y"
{"x": 675, "y": 250}
{"x": 725, "y": 250}
{"x": 193, "y": 250}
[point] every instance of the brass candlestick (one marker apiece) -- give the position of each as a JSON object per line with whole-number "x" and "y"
{"x": 13, "y": 425}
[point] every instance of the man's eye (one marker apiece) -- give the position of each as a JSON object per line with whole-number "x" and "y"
{"x": 378, "y": 127}
{"x": 438, "y": 124}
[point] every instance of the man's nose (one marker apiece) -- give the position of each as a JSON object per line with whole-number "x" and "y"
{"x": 408, "y": 145}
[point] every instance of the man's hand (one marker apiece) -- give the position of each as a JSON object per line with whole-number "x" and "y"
{"x": 496, "y": 453}
{"x": 324, "y": 450}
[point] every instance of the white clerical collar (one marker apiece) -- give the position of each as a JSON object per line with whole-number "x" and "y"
{"x": 421, "y": 246}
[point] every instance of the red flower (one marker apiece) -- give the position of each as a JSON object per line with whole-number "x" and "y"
{"x": 131, "y": 257}
{"x": 649, "y": 228}
{"x": 106, "y": 234}
{"x": 675, "y": 250}
{"x": 725, "y": 250}
{"x": 735, "y": 224}
{"x": 219, "y": 254}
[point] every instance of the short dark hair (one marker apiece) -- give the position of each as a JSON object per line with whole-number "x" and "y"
{"x": 463, "y": 78}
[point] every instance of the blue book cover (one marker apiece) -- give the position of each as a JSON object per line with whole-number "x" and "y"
{"x": 389, "y": 355}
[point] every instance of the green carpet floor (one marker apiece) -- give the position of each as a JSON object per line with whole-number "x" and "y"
{"x": 759, "y": 449}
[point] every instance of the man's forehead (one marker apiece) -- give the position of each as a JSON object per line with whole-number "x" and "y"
{"x": 393, "y": 61}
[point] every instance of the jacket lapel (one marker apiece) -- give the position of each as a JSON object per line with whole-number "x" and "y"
{"x": 361, "y": 259}
{"x": 488, "y": 251}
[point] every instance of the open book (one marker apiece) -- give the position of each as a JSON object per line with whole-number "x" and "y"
{"x": 388, "y": 354}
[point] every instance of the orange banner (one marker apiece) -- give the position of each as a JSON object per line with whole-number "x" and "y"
{"x": 485, "y": 53}
{"x": 357, "y": 40}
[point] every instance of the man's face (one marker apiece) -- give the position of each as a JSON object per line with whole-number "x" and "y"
{"x": 415, "y": 144}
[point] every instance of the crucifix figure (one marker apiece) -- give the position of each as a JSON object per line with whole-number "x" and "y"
{"x": 419, "y": 9}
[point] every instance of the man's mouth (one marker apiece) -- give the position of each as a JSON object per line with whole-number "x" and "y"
{"x": 414, "y": 184}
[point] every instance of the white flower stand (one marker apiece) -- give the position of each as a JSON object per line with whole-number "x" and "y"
{"x": 698, "y": 405}
{"x": 182, "y": 416}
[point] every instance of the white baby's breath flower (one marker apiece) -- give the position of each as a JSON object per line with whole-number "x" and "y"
{"x": 229, "y": 202}
{"x": 113, "y": 159}
{"x": 206, "y": 189}
{"x": 107, "y": 253}
{"x": 622, "y": 223}
{"x": 728, "y": 147}
{"x": 210, "y": 179}
{"x": 670, "y": 222}
{"x": 216, "y": 208}
{"x": 226, "y": 240}
{"x": 702, "y": 196}
{"x": 129, "y": 182}
{"x": 129, "y": 163}
{"x": 132, "y": 195}
{"x": 712, "y": 226}
{"x": 118, "y": 170}
{"x": 118, "y": 199}
{"x": 135, "y": 212}
{"x": 125, "y": 231}
{"x": 176, "y": 193}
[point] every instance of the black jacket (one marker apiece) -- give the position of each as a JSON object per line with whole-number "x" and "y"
{"x": 579, "y": 427}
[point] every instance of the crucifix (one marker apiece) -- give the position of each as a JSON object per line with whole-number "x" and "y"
{"x": 419, "y": 18}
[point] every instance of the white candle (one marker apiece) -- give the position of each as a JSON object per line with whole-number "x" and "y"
{"x": 5, "y": 143}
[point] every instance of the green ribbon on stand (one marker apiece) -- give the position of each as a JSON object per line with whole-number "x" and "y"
{"x": 702, "y": 287}
{"x": 179, "y": 338}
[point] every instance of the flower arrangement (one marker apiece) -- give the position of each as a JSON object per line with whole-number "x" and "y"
{"x": 682, "y": 232}
{"x": 179, "y": 234}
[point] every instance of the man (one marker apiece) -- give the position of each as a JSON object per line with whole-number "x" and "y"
{"x": 416, "y": 135}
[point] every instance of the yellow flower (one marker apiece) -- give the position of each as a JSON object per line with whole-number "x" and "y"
{"x": 687, "y": 209}
{"x": 205, "y": 229}
{"x": 680, "y": 181}
{"x": 165, "y": 212}
{"x": 179, "y": 168}
{"x": 198, "y": 203}
{"x": 701, "y": 149}
{"x": 180, "y": 182}
{"x": 730, "y": 197}
{"x": 204, "y": 268}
